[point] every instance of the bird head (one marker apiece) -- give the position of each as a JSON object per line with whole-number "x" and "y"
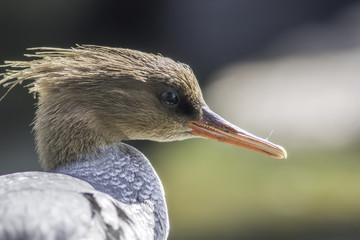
{"x": 94, "y": 95}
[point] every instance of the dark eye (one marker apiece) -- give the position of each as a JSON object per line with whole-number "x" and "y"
{"x": 170, "y": 98}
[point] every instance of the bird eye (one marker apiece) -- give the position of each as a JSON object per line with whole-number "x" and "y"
{"x": 170, "y": 98}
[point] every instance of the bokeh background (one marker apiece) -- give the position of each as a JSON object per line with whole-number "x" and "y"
{"x": 286, "y": 67}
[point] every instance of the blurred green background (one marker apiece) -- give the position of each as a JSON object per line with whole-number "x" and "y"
{"x": 287, "y": 67}
{"x": 216, "y": 191}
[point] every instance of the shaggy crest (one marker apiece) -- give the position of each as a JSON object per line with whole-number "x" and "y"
{"x": 86, "y": 64}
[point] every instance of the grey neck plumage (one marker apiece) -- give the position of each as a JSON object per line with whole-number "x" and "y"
{"x": 127, "y": 175}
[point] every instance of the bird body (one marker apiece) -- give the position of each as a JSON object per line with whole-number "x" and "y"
{"x": 114, "y": 194}
{"x": 90, "y": 98}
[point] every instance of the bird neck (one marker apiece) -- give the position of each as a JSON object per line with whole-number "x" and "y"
{"x": 127, "y": 175}
{"x": 65, "y": 129}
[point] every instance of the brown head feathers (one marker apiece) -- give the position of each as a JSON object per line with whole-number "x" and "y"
{"x": 90, "y": 96}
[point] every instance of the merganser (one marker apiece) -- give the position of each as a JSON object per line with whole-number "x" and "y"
{"x": 90, "y": 98}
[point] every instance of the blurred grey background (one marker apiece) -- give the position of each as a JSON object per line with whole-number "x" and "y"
{"x": 282, "y": 66}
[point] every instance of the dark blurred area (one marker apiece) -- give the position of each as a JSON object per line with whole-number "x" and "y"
{"x": 207, "y": 35}
{"x": 204, "y": 34}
